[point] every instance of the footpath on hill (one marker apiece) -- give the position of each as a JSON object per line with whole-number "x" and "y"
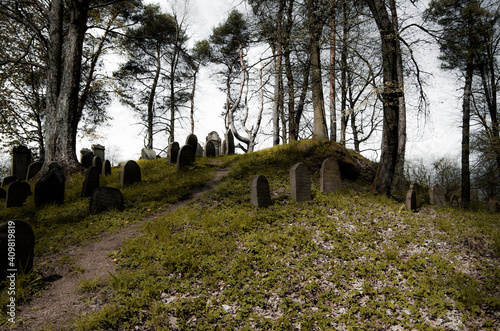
{"x": 62, "y": 302}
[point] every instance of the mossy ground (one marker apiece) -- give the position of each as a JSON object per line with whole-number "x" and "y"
{"x": 348, "y": 260}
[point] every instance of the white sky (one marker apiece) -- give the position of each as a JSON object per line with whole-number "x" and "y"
{"x": 435, "y": 137}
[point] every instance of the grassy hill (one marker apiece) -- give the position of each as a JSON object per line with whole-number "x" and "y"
{"x": 348, "y": 260}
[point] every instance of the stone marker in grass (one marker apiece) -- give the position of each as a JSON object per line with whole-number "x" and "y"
{"x": 330, "y": 180}
{"x": 16, "y": 234}
{"x": 106, "y": 198}
{"x": 260, "y": 195}
{"x": 130, "y": 173}
{"x": 300, "y": 182}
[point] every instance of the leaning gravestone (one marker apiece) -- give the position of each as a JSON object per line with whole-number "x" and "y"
{"x": 91, "y": 182}
{"x": 185, "y": 158}
{"x": 3, "y": 194}
{"x": 50, "y": 188}
{"x": 260, "y": 195}
{"x": 148, "y": 154}
{"x": 229, "y": 143}
{"x": 21, "y": 159}
{"x": 130, "y": 173}
{"x": 7, "y": 180}
{"x": 411, "y": 200}
{"x": 106, "y": 168}
{"x": 33, "y": 169}
{"x": 20, "y": 260}
{"x": 86, "y": 157}
{"x": 436, "y": 195}
{"x": 210, "y": 149}
{"x": 330, "y": 180}
{"x": 173, "y": 152}
{"x": 300, "y": 182}
{"x": 192, "y": 140}
{"x": 106, "y": 198}
{"x": 17, "y": 193}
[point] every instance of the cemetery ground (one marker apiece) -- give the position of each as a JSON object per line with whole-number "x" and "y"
{"x": 343, "y": 260}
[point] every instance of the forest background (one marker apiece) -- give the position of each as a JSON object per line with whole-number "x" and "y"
{"x": 433, "y": 96}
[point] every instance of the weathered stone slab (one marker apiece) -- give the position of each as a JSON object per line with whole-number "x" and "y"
{"x": 210, "y": 149}
{"x": 411, "y": 200}
{"x": 436, "y": 195}
{"x": 330, "y": 179}
{"x": 130, "y": 173}
{"x": 215, "y": 139}
{"x": 173, "y": 152}
{"x": 106, "y": 198}
{"x": 106, "y": 168}
{"x": 9, "y": 179}
{"x": 260, "y": 194}
{"x": 185, "y": 158}
{"x": 20, "y": 260}
{"x": 199, "y": 150}
{"x": 50, "y": 188}
{"x": 86, "y": 156}
{"x": 99, "y": 150}
{"x": 192, "y": 140}
{"x": 455, "y": 201}
{"x": 300, "y": 182}
{"x": 17, "y": 193}
{"x": 91, "y": 182}
{"x": 33, "y": 169}
{"x": 148, "y": 154}
{"x": 21, "y": 159}
{"x": 419, "y": 194}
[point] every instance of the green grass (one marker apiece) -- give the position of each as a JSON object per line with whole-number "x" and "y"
{"x": 347, "y": 260}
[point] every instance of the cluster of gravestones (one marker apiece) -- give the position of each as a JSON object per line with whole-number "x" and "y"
{"x": 300, "y": 183}
{"x": 437, "y": 197}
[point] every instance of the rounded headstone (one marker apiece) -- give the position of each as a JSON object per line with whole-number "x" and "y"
{"x": 411, "y": 200}
{"x": 260, "y": 194}
{"x": 50, "y": 188}
{"x": 106, "y": 168}
{"x": 9, "y": 179}
{"x": 33, "y": 169}
{"x": 192, "y": 140}
{"x": 17, "y": 193}
{"x": 330, "y": 179}
{"x": 86, "y": 156}
{"x": 91, "y": 181}
{"x": 97, "y": 162}
{"x": 130, "y": 173}
{"x": 210, "y": 149}
{"x": 148, "y": 154}
{"x": 21, "y": 234}
{"x": 173, "y": 152}
{"x": 186, "y": 157}
{"x": 300, "y": 182}
{"x": 106, "y": 198}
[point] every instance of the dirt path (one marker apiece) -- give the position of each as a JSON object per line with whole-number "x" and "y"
{"x": 61, "y": 302}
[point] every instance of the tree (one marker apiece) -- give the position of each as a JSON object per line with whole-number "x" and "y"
{"x": 462, "y": 21}
{"x": 391, "y": 95}
{"x": 154, "y": 49}
{"x": 200, "y": 56}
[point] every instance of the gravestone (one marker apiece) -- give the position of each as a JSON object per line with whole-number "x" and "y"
{"x": 91, "y": 182}
{"x": 217, "y": 142}
{"x": 97, "y": 162}
{"x": 260, "y": 195}
{"x": 33, "y": 169}
{"x": 199, "y": 150}
{"x": 148, "y": 154}
{"x": 330, "y": 180}
{"x": 130, "y": 173}
{"x": 192, "y": 140}
{"x": 455, "y": 201}
{"x": 224, "y": 148}
{"x": 86, "y": 157}
{"x": 418, "y": 194}
{"x": 229, "y": 142}
{"x": 17, "y": 193}
{"x": 3, "y": 194}
{"x": 7, "y": 180}
{"x": 21, "y": 261}
{"x": 173, "y": 152}
{"x": 411, "y": 200}
{"x": 494, "y": 206}
{"x": 300, "y": 182}
{"x": 98, "y": 150}
{"x": 50, "y": 188}
{"x": 210, "y": 149}
{"x": 21, "y": 159}
{"x": 398, "y": 189}
{"x": 106, "y": 198}
{"x": 185, "y": 158}
{"x": 106, "y": 168}
{"x": 436, "y": 195}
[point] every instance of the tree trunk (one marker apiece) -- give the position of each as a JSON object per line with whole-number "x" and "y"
{"x": 465, "y": 188}
{"x": 151, "y": 99}
{"x": 277, "y": 78}
{"x": 63, "y": 82}
{"x": 320, "y": 130}
{"x": 391, "y": 95}
{"x": 344, "y": 114}
{"x": 333, "y": 110}
{"x": 292, "y": 135}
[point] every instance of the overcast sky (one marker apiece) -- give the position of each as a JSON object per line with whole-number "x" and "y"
{"x": 429, "y": 137}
